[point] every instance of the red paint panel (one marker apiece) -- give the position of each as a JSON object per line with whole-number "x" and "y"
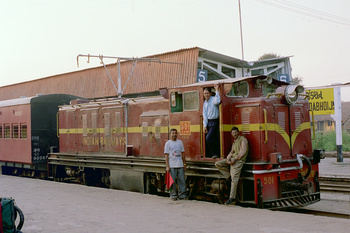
{"x": 67, "y": 122}
{"x": 16, "y": 149}
{"x": 269, "y": 183}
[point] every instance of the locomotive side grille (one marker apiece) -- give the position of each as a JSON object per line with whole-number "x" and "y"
{"x": 117, "y": 123}
{"x": 158, "y": 127}
{"x": 144, "y": 129}
{"x": 281, "y": 122}
{"x": 107, "y": 124}
{"x": 84, "y": 125}
{"x": 297, "y": 121}
{"x": 246, "y": 122}
{"x": 94, "y": 123}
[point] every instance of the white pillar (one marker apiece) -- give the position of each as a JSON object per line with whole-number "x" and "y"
{"x": 337, "y": 118}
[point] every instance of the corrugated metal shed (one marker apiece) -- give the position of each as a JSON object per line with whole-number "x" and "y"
{"x": 174, "y": 69}
{"x": 94, "y": 82}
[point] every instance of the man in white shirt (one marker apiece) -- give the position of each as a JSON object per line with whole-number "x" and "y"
{"x": 175, "y": 164}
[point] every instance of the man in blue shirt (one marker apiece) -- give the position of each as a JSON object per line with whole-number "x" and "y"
{"x": 211, "y": 121}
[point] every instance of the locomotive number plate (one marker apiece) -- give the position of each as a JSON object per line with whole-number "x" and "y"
{"x": 185, "y": 127}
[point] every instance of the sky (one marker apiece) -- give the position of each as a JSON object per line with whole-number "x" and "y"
{"x": 41, "y": 38}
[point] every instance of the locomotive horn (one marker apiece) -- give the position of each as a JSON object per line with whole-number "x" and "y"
{"x": 268, "y": 79}
{"x": 259, "y": 82}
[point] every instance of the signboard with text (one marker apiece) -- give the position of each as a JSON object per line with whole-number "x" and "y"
{"x": 321, "y": 101}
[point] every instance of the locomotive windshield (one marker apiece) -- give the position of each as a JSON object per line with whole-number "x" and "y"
{"x": 239, "y": 89}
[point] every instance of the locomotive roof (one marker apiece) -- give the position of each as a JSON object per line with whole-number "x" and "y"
{"x": 18, "y": 101}
{"x": 231, "y": 80}
{"x": 38, "y": 98}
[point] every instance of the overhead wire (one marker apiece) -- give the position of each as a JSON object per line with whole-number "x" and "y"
{"x": 288, "y": 6}
{"x": 314, "y": 11}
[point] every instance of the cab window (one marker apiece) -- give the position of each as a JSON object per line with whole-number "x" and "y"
{"x": 191, "y": 101}
{"x": 239, "y": 89}
{"x": 184, "y": 101}
{"x": 176, "y": 102}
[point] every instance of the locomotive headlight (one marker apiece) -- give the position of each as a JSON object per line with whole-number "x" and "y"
{"x": 292, "y": 92}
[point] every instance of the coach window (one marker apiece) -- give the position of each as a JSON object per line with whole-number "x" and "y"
{"x": 240, "y": 89}
{"x": 15, "y": 129}
{"x": 191, "y": 101}
{"x": 7, "y": 131}
{"x": 176, "y": 102}
{"x": 23, "y": 131}
{"x": 0, "y": 131}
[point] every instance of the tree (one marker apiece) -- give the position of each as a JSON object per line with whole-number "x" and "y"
{"x": 267, "y": 56}
{"x": 295, "y": 81}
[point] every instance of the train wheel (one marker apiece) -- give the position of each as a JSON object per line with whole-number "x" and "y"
{"x": 223, "y": 191}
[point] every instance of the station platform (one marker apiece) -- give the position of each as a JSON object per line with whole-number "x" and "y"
{"x": 330, "y": 167}
{"x": 333, "y": 202}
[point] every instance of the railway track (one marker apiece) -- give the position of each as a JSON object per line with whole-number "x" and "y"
{"x": 305, "y": 210}
{"x": 335, "y": 184}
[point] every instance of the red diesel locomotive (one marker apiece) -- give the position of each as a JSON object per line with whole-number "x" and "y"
{"x": 119, "y": 142}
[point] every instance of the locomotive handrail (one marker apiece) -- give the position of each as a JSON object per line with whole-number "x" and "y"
{"x": 306, "y": 96}
{"x": 299, "y": 158}
{"x": 201, "y": 134}
{"x": 272, "y": 94}
{"x": 265, "y": 118}
{"x": 313, "y": 125}
{"x": 57, "y": 121}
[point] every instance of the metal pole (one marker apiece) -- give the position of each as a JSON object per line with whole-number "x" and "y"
{"x": 115, "y": 88}
{"x": 338, "y": 127}
{"x": 240, "y": 22}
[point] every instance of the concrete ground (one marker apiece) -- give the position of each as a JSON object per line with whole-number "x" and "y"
{"x": 59, "y": 207}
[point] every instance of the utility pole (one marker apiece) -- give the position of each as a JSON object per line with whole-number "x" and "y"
{"x": 240, "y": 22}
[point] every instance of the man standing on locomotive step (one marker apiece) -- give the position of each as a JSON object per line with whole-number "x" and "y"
{"x": 175, "y": 164}
{"x": 211, "y": 121}
{"x": 234, "y": 162}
